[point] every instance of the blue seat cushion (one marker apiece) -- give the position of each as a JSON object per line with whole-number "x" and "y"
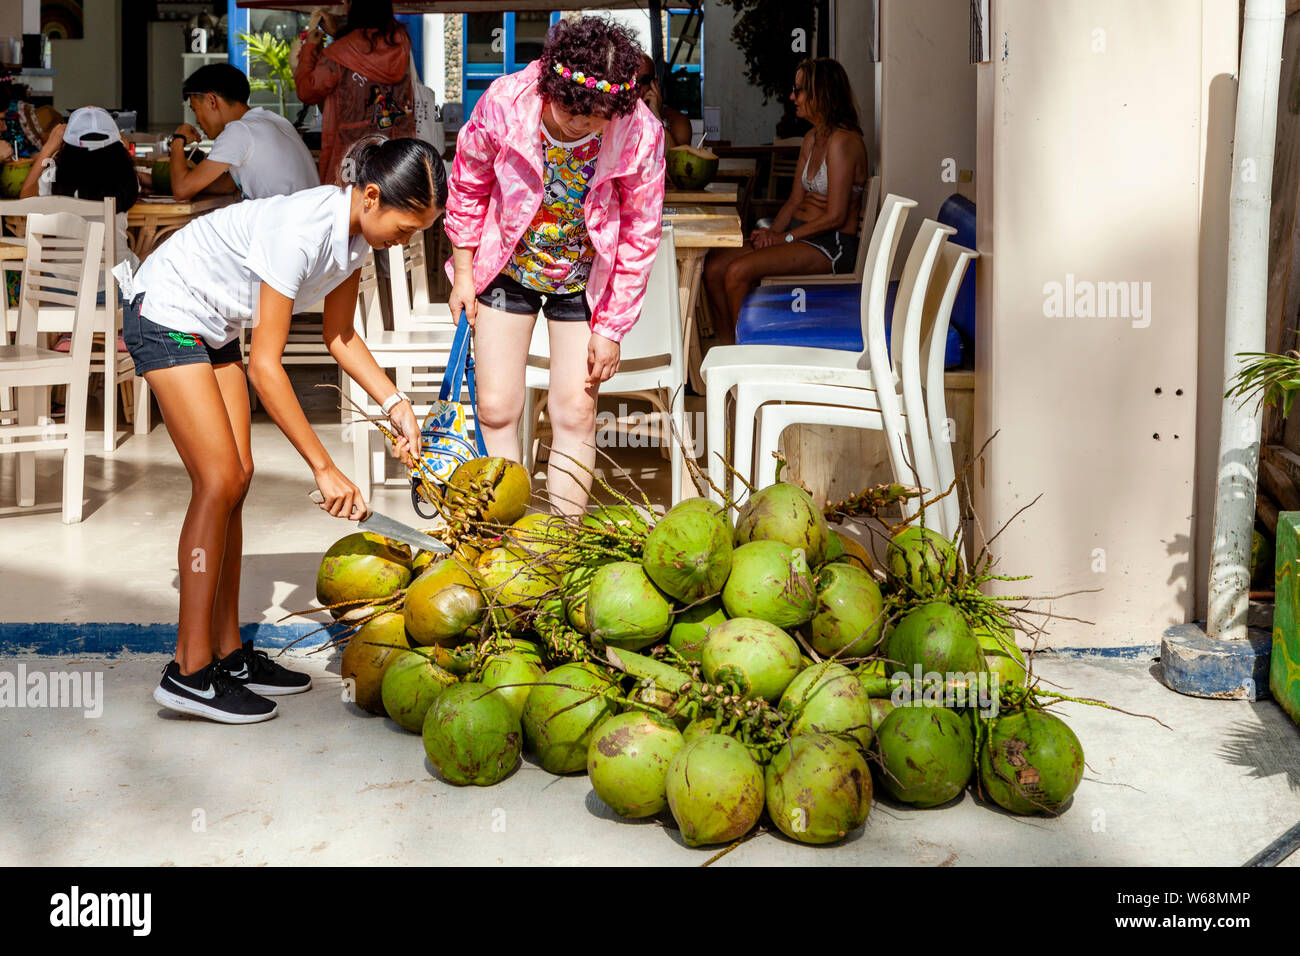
{"x": 818, "y": 316}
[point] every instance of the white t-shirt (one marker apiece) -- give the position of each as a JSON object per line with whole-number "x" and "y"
{"x": 266, "y": 155}
{"x": 206, "y": 279}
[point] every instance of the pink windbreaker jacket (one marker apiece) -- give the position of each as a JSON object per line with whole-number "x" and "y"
{"x": 496, "y": 189}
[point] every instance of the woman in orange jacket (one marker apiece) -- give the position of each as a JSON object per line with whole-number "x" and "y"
{"x": 362, "y": 80}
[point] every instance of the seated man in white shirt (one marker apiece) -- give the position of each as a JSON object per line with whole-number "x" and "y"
{"x": 254, "y": 151}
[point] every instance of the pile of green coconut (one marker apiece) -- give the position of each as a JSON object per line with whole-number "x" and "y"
{"x": 733, "y": 666}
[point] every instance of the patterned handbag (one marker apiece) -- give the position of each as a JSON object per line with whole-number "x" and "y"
{"x": 444, "y": 440}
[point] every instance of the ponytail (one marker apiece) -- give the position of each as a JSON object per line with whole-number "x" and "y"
{"x": 409, "y": 172}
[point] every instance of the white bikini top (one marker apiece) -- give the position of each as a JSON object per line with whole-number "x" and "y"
{"x": 819, "y": 184}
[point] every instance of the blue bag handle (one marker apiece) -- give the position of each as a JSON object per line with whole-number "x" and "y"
{"x": 460, "y": 368}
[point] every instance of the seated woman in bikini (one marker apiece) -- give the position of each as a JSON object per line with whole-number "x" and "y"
{"x": 816, "y": 230}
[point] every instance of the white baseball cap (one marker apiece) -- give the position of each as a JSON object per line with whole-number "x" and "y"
{"x": 92, "y": 128}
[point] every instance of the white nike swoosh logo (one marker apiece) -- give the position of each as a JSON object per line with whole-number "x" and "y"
{"x": 241, "y": 674}
{"x": 205, "y": 694}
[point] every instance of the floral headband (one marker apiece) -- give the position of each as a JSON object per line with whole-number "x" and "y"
{"x": 591, "y": 83}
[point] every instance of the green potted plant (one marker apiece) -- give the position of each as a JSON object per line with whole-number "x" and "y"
{"x": 273, "y": 53}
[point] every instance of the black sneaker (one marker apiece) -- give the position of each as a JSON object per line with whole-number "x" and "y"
{"x": 210, "y": 693}
{"x": 255, "y": 671}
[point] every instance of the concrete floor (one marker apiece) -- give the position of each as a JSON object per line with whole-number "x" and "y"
{"x": 326, "y": 784}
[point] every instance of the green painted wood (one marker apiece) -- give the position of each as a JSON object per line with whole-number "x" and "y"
{"x": 1284, "y": 667}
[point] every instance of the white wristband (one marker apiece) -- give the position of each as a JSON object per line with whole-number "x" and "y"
{"x": 391, "y": 402}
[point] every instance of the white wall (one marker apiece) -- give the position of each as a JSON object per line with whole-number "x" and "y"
{"x": 927, "y": 104}
{"x": 853, "y": 29}
{"x": 1094, "y": 146}
{"x": 745, "y": 118}
{"x": 90, "y": 69}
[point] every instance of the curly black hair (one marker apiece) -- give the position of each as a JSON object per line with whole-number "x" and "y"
{"x": 596, "y": 47}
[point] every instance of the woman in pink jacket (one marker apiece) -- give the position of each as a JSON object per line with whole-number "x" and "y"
{"x": 555, "y": 204}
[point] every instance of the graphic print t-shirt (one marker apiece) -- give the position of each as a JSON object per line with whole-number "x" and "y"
{"x": 555, "y": 253}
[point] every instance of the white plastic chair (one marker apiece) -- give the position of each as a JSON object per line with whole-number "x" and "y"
{"x": 415, "y": 311}
{"x": 725, "y": 367}
{"x": 858, "y": 408}
{"x": 117, "y": 367}
{"x": 866, "y": 220}
{"x": 908, "y": 318}
{"x": 651, "y": 366}
{"x": 62, "y": 251}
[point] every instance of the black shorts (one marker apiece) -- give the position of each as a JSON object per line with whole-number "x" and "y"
{"x": 507, "y": 295}
{"x": 152, "y": 346}
{"x": 839, "y": 247}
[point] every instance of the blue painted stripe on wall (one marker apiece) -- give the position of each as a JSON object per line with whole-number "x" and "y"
{"x": 51, "y": 638}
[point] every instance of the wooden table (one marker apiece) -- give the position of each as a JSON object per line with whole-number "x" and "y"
{"x": 712, "y": 193}
{"x": 153, "y": 218}
{"x": 696, "y": 230}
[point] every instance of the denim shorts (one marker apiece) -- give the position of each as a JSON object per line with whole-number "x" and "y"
{"x": 507, "y": 295}
{"x": 152, "y": 346}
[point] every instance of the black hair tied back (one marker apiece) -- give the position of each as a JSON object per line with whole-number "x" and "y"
{"x": 409, "y": 172}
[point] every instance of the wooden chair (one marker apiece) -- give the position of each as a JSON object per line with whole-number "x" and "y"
{"x": 62, "y": 251}
{"x": 784, "y": 165}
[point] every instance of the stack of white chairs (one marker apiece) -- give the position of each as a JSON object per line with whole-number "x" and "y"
{"x": 840, "y": 387}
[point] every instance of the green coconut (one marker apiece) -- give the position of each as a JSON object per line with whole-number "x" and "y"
{"x": 625, "y": 609}
{"x": 627, "y": 761}
{"x": 471, "y": 736}
{"x": 562, "y": 713}
{"x": 881, "y": 707}
{"x": 826, "y": 698}
{"x": 758, "y": 657}
{"x": 455, "y": 660}
{"x": 506, "y": 483}
{"x": 573, "y": 592}
{"x": 691, "y": 167}
{"x": 922, "y": 559}
{"x": 707, "y": 505}
{"x": 715, "y": 790}
{"x": 692, "y": 625}
{"x": 443, "y": 605}
{"x": 769, "y": 580}
{"x": 818, "y": 789}
{"x": 516, "y": 585}
{"x": 1002, "y": 657}
{"x": 699, "y": 727}
{"x": 412, "y": 682}
{"x": 927, "y": 754}
{"x": 688, "y": 554}
{"x": 936, "y": 636}
{"x": 361, "y": 567}
{"x": 1032, "y": 762}
{"x": 539, "y": 533}
{"x": 367, "y": 654}
{"x": 850, "y": 612}
{"x": 786, "y": 513}
{"x": 513, "y": 672}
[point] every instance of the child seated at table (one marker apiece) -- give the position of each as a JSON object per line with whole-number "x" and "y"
{"x": 254, "y": 151}
{"x": 86, "y": 159}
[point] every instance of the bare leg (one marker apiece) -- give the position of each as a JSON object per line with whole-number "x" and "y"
{"x": 198, "y": 423}
{"x": 225, "y": 610}
{"x": 745, "y": 272}
{"x": 572, "y": 405}
{"x": 715, "y": 273}
{"x": 500, "y": 355}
